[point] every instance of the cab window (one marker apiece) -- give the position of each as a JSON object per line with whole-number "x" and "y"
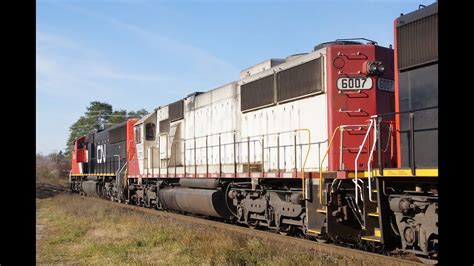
{"x": 150, "y": 131}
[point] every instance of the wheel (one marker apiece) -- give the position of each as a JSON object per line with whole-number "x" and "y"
{"x": 253, "y": 224}
{"x": 428, "y": 261}
{"x": 321, "y": 240}
{"x": 289, "y": 231}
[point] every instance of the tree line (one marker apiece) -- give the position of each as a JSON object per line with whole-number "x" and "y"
{"x": 54, "y": 167}
{"x": 99, "y": 115}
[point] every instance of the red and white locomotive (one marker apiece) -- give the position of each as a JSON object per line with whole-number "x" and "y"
{"x": 296, "y": 145}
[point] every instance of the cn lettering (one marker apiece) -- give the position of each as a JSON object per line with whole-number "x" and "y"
{"x": 101, "y": 153}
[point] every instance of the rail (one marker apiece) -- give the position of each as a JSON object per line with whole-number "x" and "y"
{"x": 376, "y": 130}
{"x": 411, "y": 136}
{"x": 369, "y": 160}
{"x": 105, "y": 165}
{"x": 221, "y": 151}
{"x": 356, "y": 177}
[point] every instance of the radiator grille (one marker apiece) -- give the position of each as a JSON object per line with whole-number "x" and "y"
{"x": 257, "y": 93}
{"x": 417, "y": 42}
{"x": 164, "y": 126}
{"x": 300, "y": 80}
{"x": 176, "y": 111}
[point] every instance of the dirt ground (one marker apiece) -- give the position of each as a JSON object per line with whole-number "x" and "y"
{"x": 71, "y": 229}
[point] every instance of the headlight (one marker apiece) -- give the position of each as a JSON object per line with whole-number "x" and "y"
{"x": 375, "y": 68}
{"x": 381, "y": 67}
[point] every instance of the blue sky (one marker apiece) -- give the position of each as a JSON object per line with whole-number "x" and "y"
{"x": 143, "y": 54}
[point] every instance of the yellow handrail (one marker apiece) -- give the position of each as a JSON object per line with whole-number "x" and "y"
{"x": 321, "y": 165}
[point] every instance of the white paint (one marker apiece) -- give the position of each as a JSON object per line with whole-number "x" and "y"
{"x": 218, "y": 111}
{"x": 101, "y": 152}
{"x": 308, "y": 113}
{"x": 354, "y": 83}
{"x": 385, "y": 85}
{"x": 208, "y": 114}
{"x": 140, "y": 157}
{"x": 147, "y": 153}
{"x": 80, "y": 168}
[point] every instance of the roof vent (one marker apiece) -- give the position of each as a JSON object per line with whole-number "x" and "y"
{"x": 294, "y": 56}
{"x": 343, "y": 42}
{"x": 260, "y": 67}
{"x": 324, "y": 44}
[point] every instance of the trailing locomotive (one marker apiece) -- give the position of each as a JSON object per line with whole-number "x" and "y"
{"x": 324, "y": 144}
{"x": 99, "y": 161}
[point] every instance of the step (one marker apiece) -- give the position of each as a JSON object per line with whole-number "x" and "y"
{"x": 377, "y": 232}
{"x": 377, "y": 237}
{"x": 374, "y": 214}
{"x": 313, "y": 231}
{"x": 372, "y": 238}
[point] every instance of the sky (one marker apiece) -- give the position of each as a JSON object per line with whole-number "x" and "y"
{"x": 145, "y": 54}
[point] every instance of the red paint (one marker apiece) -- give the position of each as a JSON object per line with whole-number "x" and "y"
{"x": 78, "y": 155}
{"x": 397, "y": 104}
{"x": 371, "y": 102}
{"x": 132, "y": 159}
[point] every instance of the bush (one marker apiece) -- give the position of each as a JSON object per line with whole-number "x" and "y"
{"x": 52, "y": 168}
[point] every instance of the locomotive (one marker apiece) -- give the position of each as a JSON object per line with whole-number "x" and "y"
{"x": 338, "y": 144}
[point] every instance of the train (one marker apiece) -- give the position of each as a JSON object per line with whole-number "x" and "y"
{"x": 337, "y": 145}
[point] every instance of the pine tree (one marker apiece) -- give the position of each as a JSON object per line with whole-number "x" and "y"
{"x": 98, "y": 116}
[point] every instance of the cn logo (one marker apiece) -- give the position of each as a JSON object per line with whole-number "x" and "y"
{"x": 101, "y": 153}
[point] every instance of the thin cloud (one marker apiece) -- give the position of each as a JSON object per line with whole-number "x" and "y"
{"x": 73, "y": 72}
{"x": 195, "y": 53}
{"x": 64, "y": 66}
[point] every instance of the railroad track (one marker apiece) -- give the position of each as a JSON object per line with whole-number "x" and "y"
{"x": 44, "y": 190}
{"x": 330, "y": 249}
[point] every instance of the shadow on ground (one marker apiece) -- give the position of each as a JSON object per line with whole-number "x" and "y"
{"x": 49, "y": 190}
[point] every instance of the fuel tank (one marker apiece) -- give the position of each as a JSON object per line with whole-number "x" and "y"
{"x": 91, "y": 188}
{"x": 209, "y": 183}
{"x": 208, "y": 202}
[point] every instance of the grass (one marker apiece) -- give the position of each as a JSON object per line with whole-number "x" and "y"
{"x": 76, "y": 230}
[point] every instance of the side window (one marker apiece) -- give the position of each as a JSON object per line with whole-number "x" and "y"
{"x": 150, "y": 131}
{"x": 138, "y": 135}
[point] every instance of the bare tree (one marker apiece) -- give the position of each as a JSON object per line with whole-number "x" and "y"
{"x": 52, "y": 168}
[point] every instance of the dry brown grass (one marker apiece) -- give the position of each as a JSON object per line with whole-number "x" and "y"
{"x": 73, "y": 229}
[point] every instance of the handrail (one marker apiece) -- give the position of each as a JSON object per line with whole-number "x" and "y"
{"x": 106, "y": 166}
{"x": 210, "y": 135}
{"x": 120, "y": 169}
{"x": 341, "y": 129}
{"x": 377, "y": 130}
{"x": 249, "y": 139}
{"x": 118, "y": 159}
{"x": 321, "y": 165}
{"x": 117, "y": 177}
{"x": 410, "y": 131}
{"x": 356, "y": 178}
{"x": 369, "y": 173}
{"x": 276, "y": 133}
{"x": 405, "y": 112}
